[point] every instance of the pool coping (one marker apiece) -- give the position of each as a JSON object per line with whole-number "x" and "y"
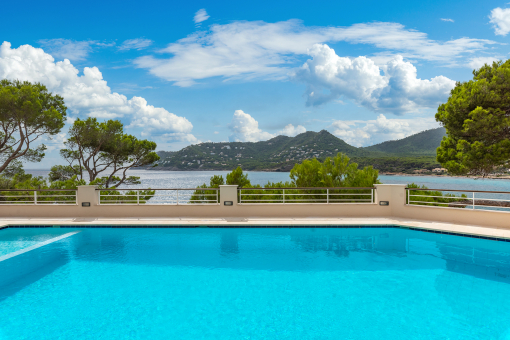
{"x": 471, "y": 231}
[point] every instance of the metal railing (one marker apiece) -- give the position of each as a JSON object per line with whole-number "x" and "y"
{"x": 454, "y": 198}
{"x": 175, "y": 196}
{"x": 306, "y": 195}
{"x": 38, "y": 196}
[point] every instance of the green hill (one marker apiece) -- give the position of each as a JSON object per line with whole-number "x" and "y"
{"x": 424, "y": 143}
{"x": 281, "y": 153}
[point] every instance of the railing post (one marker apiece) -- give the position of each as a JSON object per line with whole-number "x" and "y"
{"x": 177, "y": 197}
{"x": 217, "y": 201}
{"x": 228, "y": 193}
{"x": 327, "y": 196}
{"x": 137, "y": 197}
{"x": 87, "y": 193}
{"x": 473, "y": 201}
{"x": 35, "y": 197}
{"x": 283, "y": 196}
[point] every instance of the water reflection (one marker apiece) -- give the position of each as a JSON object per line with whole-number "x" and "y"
{"x": 299, "y": 249}
{"x": 229, "y": 242}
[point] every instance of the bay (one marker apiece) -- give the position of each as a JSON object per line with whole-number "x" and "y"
{"x": 191, "y": 179}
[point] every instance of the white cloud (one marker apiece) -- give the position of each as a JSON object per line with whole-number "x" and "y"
{"x": 55, "y": 142}
{"x": 88, "y": 94}
{"x": 393, "y": 87}
{"x": 67, "y": 49}
{"x": 200, "y": 15}
{"x": 257, "y": 49}
{"x": 447, "y": 20}
{"x": 156, "y": 120}
{"x": 291, "y": 130}
{"x": 500, "y": 19}
{"x": 369, "y": 132}
{"x": 246, "y": 129}
{"x": 476, "y": 63}
{"x": 135, "y": 44}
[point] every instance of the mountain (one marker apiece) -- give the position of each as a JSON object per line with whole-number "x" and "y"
{"x": 424, "y": 143}
{"x": 281, "y": 153}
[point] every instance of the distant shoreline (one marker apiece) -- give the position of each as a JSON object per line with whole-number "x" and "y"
{"x": 507, "y": 177}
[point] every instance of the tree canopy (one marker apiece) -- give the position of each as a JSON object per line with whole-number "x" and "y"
{"x": 103, "y": 148}
{"x": 27, "y": 112}
{"x": 477, "y": 121}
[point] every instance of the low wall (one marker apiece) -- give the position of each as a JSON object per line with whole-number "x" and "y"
{"x": 394, "y": 194}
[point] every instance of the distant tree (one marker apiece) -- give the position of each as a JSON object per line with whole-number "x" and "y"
{"x": 104, "y": 148}
{"x": 27, "y": 112}
{"x": 477, "y": 121}
{"x": 338, "y": 171}
{"x": 236, "y": 177}
{"x": 65, "y": 172}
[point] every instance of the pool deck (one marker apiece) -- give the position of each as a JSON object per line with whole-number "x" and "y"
{"x": 262, "y": 222}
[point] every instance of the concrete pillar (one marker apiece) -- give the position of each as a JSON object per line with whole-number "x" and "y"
{"x": 395, "y": 194}
{"x": 88, "y": 193}
{"x": 228, "y": 193}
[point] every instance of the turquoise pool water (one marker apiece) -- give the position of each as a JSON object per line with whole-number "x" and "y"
{"x": 269, "y": 283}
{"x": 14, "y": 239}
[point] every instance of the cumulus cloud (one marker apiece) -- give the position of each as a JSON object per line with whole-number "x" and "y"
{"x": 246, "y": 129}
{"x": 135, "y": 44}
{"x": 369, "y": 132}
{"x": 447, "y": 20}
{"x": 87, "y": 94}
{"x": 256, "y": 49}
{"x": 500, "y": 19}
{"x": 67, "y": 49}
{"x": 291, "y": 130}
{"x": 393, "y": 87}
{"x": 156, "y": 120}
{"x": 200, "y": 15}
{"x": 476, "y": 63}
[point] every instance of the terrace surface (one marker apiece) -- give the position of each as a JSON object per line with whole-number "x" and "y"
{"x": 474, "y": 230}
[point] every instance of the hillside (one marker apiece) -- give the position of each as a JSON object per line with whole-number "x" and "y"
{"x": 424, "y": 143}
{"x": 281, "y": 153}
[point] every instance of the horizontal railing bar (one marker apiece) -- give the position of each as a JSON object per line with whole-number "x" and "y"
{"x": 1, "y": 190}
{"x": 489, "y": 192}
{"x": 307, "y": 194}
{"x": 470, "y": 199}
{"x": 309, "y": 201}
{"x": 467, "y": 204}
{"x": 449, "y": 203}
{"x": 313, "y": 188}
{"x": 169, "y": 189}
{"x": 463, "y": 198}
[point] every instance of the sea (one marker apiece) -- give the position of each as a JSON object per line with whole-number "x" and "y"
{"x": 157, "y": 179}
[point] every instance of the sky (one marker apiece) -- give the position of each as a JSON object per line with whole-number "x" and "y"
{"x": 185, "y": 73}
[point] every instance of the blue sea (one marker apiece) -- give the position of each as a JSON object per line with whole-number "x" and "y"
{"x": 268, "y": 283}
{"x": 191, "y": 179}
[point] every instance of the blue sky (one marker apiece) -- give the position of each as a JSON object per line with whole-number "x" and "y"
{"x": 182, "y": 73}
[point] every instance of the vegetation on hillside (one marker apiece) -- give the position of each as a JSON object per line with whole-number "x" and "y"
{"x": 282, "y": 153}
{"x": 423, "y": 143}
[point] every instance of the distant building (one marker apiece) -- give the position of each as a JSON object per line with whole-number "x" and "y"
{"x": 439, "y": 170}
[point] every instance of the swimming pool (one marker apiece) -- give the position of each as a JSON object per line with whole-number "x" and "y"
{"x": 257, "y": 283}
